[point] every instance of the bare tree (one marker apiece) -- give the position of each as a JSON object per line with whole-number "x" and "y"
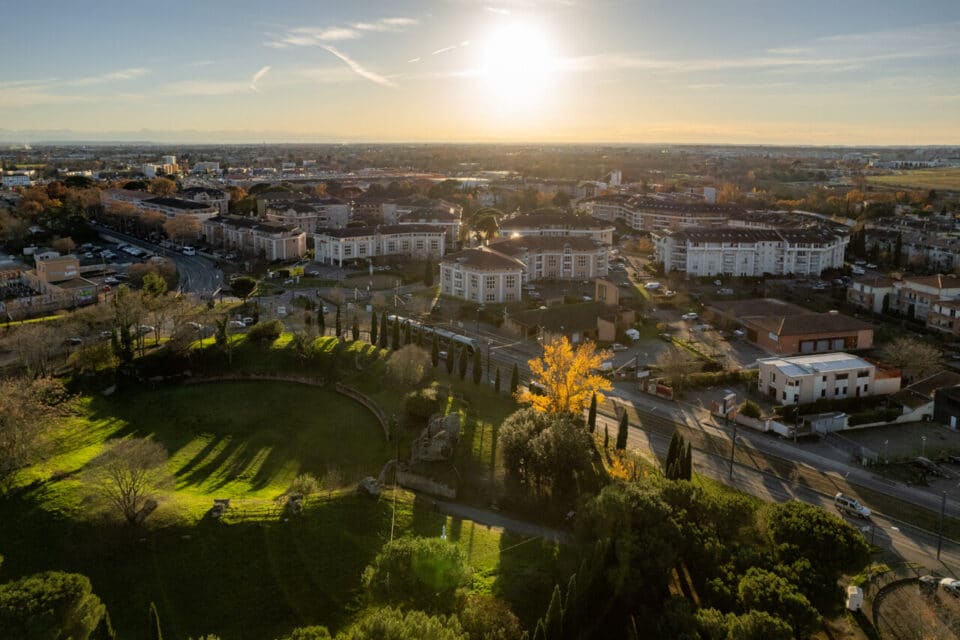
{"x": 64, "y": 245}
{"x": 407, "y": 366}
{"x": 27, "y": 407}
{"x": 332, "y": 479}
{"x": 914, "y": 357}
{"x": 127, "y": 472}
{"x": 36, "y": 345}
{"x": 182, "y": 227}
{"x": 676, "y": 364}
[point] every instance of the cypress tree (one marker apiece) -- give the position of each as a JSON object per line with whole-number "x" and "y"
{"x": 428, "y": 274}
{"x": 514, "y": 379}
{"x": 355, "y": 329}
{"x": 898, "y": 251}
{"x": 373, "y": 328}
{"x": 406, "y": 333}
{"x": 672, "y": 451}
{"x": 688, "y": 463}
{"x": 451, "y": 354}
{"x": 155, "y": 632}
{"x": 592, "y": 416}
{"x": 477, "y": 366}
{"x": 395, "y": 337}
{"x": 496, "y": 382}
{"x": 553, "y": 621}
{"x": 435, "y": 351}
{"x": 464, "y": 361}
{"x": 571, "y": 616}
{"x": 606, "y": 437}
{"x": 622, "y": 432}
{"x": 383, "y": 330}
{"x": 339, "y": 323}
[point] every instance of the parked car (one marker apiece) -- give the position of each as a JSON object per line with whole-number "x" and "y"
{"x": 144, "y": 329}
{"x": 618, "y": 347}
{"x": 248, "y": 321}
{"x": 951, "y": 586}
{"x": 189, "y": 251}
{"x": 652, "y": 286}
{"x": 689, "y": 316}
{"x": 846, "y": 504}
{"x": 237, "y": 324}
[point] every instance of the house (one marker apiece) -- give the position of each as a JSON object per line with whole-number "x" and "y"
{"x": 918, "y": 399}
{"x": 51, "y": 267}
{"x": 557, "y": 257}
{"x": 946, "y": 406}
{"x": 871, "y": 294}
{"x": 932, "y": 299}
{"x": 248, "y": 235}
{"x": 806, "y": 379}
{"x": 418, "y": 242}
{"x": 482, "y": 275}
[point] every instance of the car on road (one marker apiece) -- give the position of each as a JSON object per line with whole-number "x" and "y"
{"x": 951, "y": 586}
{"x": 248, "y": 321}
{"x": 237, "y": 324}
{"x": 690, "y": 316}
{"x": 846, "y": 504}
{"x": 652, "y": 286}
{"x": 144, "y": 329}
{"x": 111, "y": 280}
{"x": 870, "y": 265}
{"x": 857, "y": 271}
{"x": 618, "y": 347}
{"x": 281, "y": 311}
{"x": 666, "y": 336}
{"x": 443, "y": 355}
{"x": 189, "y": 251}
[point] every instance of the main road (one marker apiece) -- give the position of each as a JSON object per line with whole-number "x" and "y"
{"x": 197, "y": 274}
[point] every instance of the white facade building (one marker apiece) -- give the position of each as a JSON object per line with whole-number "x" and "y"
{"x": 481, "y": 275}
{"x": 418, "y": 242}
{"x": 254, "y": 237}
{"x": 206, "y": 195}
{"x": 557, "y": 226}
{"x": 831, "y": 376}
{"x": 12, "y": 180}
{"x": 557, "y": 258}
{"x": 311, "y": 215}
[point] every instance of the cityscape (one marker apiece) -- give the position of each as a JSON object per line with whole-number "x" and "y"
{"x": 533, "y": 319}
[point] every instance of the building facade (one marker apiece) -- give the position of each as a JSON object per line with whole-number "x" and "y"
{"x": 254, "y": 237}
{"x": 557, "y": 258}
{"x": 832, "y": 376}
{"x": 557, "y": 226}
{"x": 418, "y": 242}
{"x": 481, "y": 275}
{"x": 932, "y": 299}
{"x": 311, "y": 215}
{"x": 206, "y": 195}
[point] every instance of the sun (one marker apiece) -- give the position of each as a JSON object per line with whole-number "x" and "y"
{"x": 517, "y": 64}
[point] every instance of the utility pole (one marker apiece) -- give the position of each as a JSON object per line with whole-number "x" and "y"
{"x": 943, "y": 509}
{"x": 733, "y": 447}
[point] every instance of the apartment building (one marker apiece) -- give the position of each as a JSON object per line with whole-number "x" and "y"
{"x": 170, "y": 207}
{"x": 806, "y": 379}
{"x": 738, "y": 251}
{"x": 944, "y": 315}
{"x": 927, "y": 298}
{"x": 650, "y": 213}
{"x": 311, "y": 214}
{"x": 207, "y": 195}
{"x": 481, "y": 275}
{"x": 557, "y": 225}
{"x": 557, "y": 258}
{"x": 52, "y": 267}
{"x": 871, "y": 294}
{"x": 270, "y": 240}
{"x": 418, "y": 242}
{"x": 439, "y": 216}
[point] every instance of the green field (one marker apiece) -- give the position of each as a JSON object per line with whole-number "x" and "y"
{"x": 938, "y": 179}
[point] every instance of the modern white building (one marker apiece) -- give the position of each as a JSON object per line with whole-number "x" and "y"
{"x": 549, "y": 224}
{"x": 206, "y": 195}
{"x": 311, "y": 215}
{"x": 650, "y": 213}
{"x": 737, "y": 251}
{"x": 170, "y": 207}
{"x": 18, "y": 179}
{"x": 254, "y": 237}
{"x": 557, "y": 258}
{"x": 481, "y": 275}
{"x": 418, "y": 242}
{"x": 832, "y": 376}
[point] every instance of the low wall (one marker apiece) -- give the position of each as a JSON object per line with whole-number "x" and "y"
{"x": 416, "y": 482}
{"x": 374, "y": 408}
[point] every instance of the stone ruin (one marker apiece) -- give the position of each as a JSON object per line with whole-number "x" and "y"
{"x": 438, "y": 440}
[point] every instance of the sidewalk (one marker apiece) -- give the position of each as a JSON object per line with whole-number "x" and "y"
{"x": 494, "y": 519}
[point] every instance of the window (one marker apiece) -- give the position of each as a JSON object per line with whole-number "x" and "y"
{"x": 420, "y": 245}
{"x": 474, "y": 281}
{"x": 362, "y": 250}
{"x": 511, "y": 282}
{"x": 865, "y": 388}
{"x": 434, "y": 245}
{"x": 491, "y": 282}
{"x": 823, "y": 393}
{"x": 836, "y": 391}
{"x": 841, "y": 376}
{"x": 773, "y": 377}
{"x": 490, "y": 297}
{"x": 581, "y": 261}
{"x": 784, "y": 395}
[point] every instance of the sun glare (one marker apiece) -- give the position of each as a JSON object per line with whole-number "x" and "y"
{"x": 517, "y": 64}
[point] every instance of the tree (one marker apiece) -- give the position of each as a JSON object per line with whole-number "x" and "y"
{"x": 514, "y": 379}
{"x": 764, "y": 590}
{"x": 28, "y": 406}
{"x": 547, "y": 450}
{"x": 49, "y": 605}
{"x": 451, "y": 358}
{"x": 406, "y": 333}
{"x": 485, "y": 617}
{"x": 338, "y": 323}
{"x": 464, "y": 361}
{"x": 477, "y": 366}
{"x": 63, "y": 245}
{"x": 916, "y": 358}
{"x": 265, "y": 333}
{"x": 154, "y": 285}
{"x": 750, "y": 409}
{"x": 592, "y": 415}
{"x": 305, "y": 485}
{"x": 395, "y": 334}
{"x": 383, "y": 330}
{"x": 758, "y": 625}
{"x": 435, "y": 351}
{"x": 676, "y": 364}
{"x": 622, "y": 431}
{"x": 162, "y": 187}
{"x": 373, "y": 328}
{"x": 567, "y": 378}
{"x": 321, "y": 322}
{"x": 355, "y": 329}
{"x": 428, "y": 274}
{"x": 408, "y": 365}
{"x": 421, "y": 573}
{"x": 496, "y": 382}
{"x": 182, "y": 227}
{"x": 127, "y": 472}
{"x": 606, "y": 437}
{"x": 898, "y": 251}
{"x": 309, "y": 633}
{"x": 394, "y": 624}
{"x": 243, "y": 287}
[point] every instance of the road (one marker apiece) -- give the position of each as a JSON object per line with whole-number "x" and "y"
{"x": 197, "y": 274}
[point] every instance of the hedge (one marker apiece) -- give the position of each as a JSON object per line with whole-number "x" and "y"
{"x": 720, "y": 378}
{"x": 877, "y": 415}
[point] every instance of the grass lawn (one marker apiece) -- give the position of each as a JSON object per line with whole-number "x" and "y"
{"x": 939, "y": 179}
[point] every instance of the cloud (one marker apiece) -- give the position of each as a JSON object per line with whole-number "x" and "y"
{"x": 319, "y": 36}
{"x": 111, "y": 76}
{"x": 503, "y": 11}
{"x": 257, "y": 77}
{"x": 414, "y": 60}
{"x": 358, "y": 69}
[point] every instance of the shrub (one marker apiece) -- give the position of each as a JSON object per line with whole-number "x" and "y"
{"x": 720, "y": 378}
{"x": 422, "y": 573}
{"x": 750, "y": 409}
{"x": 420, "y": 405}
{"x": 265, "y": 332}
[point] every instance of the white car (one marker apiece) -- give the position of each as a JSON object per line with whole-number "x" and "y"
{"x": 189, "y": 251}
{"x": 281, "y": 311}
{"x": 652, "y": 286}
{"x": 618, "y": 347}
{"x": 689, "y": 316}
{"x": 951, "y": 586}
{"x": 846, "y": 504}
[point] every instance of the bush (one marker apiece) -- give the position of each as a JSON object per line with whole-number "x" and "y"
{"x": 420, "y": 405}
{"x": 265, "y": 332}
{"x": 49, "y": 605}
{"x": 750, "y": 409}
{"x": 720, "y": 378}
{"x": 420, "y": 573}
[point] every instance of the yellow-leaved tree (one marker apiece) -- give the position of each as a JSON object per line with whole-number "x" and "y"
{"x": 567, "y": 377}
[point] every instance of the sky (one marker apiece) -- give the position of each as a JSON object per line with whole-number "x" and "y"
{"x": 837, "y": 72}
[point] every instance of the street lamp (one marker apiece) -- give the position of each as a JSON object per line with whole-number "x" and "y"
{"x": 479, "y": 309}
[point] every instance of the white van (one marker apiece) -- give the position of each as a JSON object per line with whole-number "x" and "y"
{"x": 846, "y": 504}
{"x": 189, "y": 251}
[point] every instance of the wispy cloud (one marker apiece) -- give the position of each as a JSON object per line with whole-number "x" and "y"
{"x": 111, "y": 76}
{"x": 503, "y": 11}
{"x": 358, "y": 69}
{"x": 257, "y": 77}
{"x": 465, "y": 43}
{"x": 414, "y": 60}
{"x": 319, "y": 36}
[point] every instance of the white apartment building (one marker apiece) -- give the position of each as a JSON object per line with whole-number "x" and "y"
{"x": 919, "y": 297}
{"x": 247, "y": 235}
{"x": 535, "y": 224}
{"x": 418, "y": 242}
{"x": 18, "y": 179}
{"x": 205, "y": 167}
{"x": 481, "y": 275}
{"x": 311, "y": 215}
{"x": 207, "y": 195}
{"x": 649, "y": 213}
{"x": 737, "y": 251}
{"x": 557, "y": 258}
{"x": 170, "y": 207}
{"x": 806, "y": 379}
{"x": 446, "y": 218}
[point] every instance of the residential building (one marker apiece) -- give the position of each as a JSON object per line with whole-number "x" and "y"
{"x": 944, "y": 316}
{"x": 310, "y": 214}
{"x": 806, "y": 379}
{"x": 746, "y": 252}
{"x": 946, "y": 406}
{"x": 205, "y": 167}
{"x": 558, "y": 225}
{"x": 207, "y": 195}
{"x": 18, "y": 179}
{"x": 557, "y": 257}
{"x": 51, "y": 267}
{"x": 600, "y": 320}
{"x": 444, "y": 217}
{"x": 269, "y": 240}
{"x": 482, "y": 275}
{"x": 274, "y": 198}
{"x": 418, "y": 242}
{"x": 170, "y": 207}
{"x": 872, "y": 293}
{"x": 916, "y": 294}
{"x": 932, "y": 299}
{"x": 918, "y": 400}
{"x": 653, "y": 213}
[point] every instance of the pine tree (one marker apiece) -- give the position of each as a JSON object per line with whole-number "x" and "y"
{"x": 464, "y": 361}
{"x": 435, "y": 351}
{"x": 155, "y": 632}
{"x": 553, "y": 620}
{"x": 592, "y": 416}
{"x": 606, "y": 437}
{"x": 622, "y": 431}
{"x": 406, "y": 333}
{"x": 496, "y": 382}
{"x": 395, "y": 337}
{"x": 383, "y": 330}
{"x": 373, "y": 328}
{"x": 451, "y": 354}
{"x": 339, "y": 323}
{"x": 321, "y": 323}
{"x": 477, "y": 366}
{"x": 514, "y": 379}
{"x": 355, "y": 329}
